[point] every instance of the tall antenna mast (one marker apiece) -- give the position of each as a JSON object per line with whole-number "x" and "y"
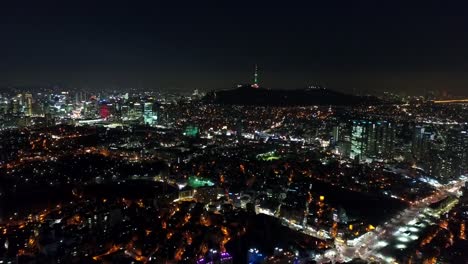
{"x": 255, "y": 84}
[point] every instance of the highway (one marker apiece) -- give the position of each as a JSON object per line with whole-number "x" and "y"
{"x": 395, "y": 233}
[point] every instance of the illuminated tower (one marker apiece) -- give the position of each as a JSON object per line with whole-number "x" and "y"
{"x": 255, "y": 84}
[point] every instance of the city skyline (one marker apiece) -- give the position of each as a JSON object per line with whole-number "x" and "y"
{"x": 231, "y": 133}
{"x": 155, "y": 177}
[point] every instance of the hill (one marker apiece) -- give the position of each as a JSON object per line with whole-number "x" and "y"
{"x": 246, "y": 95}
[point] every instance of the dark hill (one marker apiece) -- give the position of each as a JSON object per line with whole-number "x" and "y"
{"x": 247, "y": 95}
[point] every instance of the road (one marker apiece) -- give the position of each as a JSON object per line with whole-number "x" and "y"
{"x": 397, "y": 232}
{"x": 401, "y": 229}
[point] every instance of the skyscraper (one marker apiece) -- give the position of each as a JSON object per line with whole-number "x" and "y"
{"x": 148, "y": 116}
{"x": 137, "y": 111}
{"x": 358, "y": 139}
{"x": 28, "y": 100}
{"x": 372, "y": 140}
{"x": 456, "y": 152}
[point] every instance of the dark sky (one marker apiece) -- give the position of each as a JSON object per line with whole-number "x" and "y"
{"x": 345, "y": 45}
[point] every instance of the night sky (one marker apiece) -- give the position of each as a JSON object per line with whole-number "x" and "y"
{"x": 346, "y": 45}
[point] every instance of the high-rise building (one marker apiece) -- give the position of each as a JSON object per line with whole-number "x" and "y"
{"x": 441, "y": 151}
{"x": 16, "y": 105}
{"x": 149, "y": 117}
{"x": 372, "y": 140}
{"x": 423, "y": 144}
{"x": 28, "y": 104}
{"x": 335, "y": 134}
{"x": 358, "y": 140}
{"x": 137, "y": 111}
{"x": 456, "y": 152}
{"x": 125, "y": 111}
{"x": 3, "y": 106}
{"x": 104, "y": 111}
